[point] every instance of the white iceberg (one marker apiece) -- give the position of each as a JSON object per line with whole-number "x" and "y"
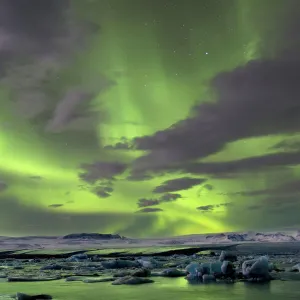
{"x": 256, "y": 268}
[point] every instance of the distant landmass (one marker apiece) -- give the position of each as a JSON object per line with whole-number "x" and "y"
{"x": 254, "y": 237}
{"x": 210, "y": 238}
{"x": 229, "y": 238}
{"x": 93, "y": 236}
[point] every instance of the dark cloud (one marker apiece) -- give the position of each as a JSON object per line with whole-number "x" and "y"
{"x": 169, "y": 197}
{"x": 229, "y": 168}
{"x": 206, "y": 208}
{"x": 257, "y": 99}
{"x": 207, "y": 187}
{"x": 33, "y": 22}
{"x": 226, "y": 176}
{"x": 143, "y": 202}
{"x": 101, "y": 171}
{"x": 226, "y": 204}
{"x": 100, "y": 177}
{"x": 74, "y": 110}
{"x": 149, "y": 210}
{"x": 55, "y": 205}
{"x": 139, "y": 177}
{"x": 64, "y": 112}
{"x": 210, "y": 207}
{"x": 245, "y": 96}
{"x": 178, "y": 184}
{"x": 50, "y": 34}
{"x": 103, "y": 192}
{"x": 120, "y": 146}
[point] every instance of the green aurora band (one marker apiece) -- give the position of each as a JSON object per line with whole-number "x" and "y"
{"x": 160, "y": 60}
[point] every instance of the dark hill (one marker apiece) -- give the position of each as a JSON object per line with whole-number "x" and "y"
{"x": 93, "y": 236}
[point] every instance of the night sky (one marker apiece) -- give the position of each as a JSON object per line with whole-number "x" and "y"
{"x": 149, "y": 117}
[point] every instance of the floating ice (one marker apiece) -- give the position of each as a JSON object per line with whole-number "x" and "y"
{"x": 256, "y": 268}
{"x": 227, "y": 256}
{"x": 295, "y": 268}
{"x": 193, "y": 269}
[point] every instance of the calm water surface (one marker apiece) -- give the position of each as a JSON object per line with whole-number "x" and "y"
{"x": 163, "y": 288}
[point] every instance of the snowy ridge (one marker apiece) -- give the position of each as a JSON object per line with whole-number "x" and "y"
{"x": 274, "y": 237}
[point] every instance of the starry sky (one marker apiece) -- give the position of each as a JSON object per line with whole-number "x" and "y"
{"x": 149, "y": 118}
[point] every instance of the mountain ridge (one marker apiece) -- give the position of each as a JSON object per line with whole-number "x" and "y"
{"x": 230, "y": 237}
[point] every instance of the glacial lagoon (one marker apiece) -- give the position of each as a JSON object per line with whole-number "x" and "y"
{"x": 163, "y": 288}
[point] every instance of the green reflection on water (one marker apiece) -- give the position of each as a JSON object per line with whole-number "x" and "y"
{"x": 163, "y": 288}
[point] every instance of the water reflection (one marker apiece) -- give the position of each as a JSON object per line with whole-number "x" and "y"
{"x": 257, "y": 290}
{"x": 162, "y": 289}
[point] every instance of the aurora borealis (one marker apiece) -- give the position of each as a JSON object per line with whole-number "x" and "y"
{"x": 149, "y": 118}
